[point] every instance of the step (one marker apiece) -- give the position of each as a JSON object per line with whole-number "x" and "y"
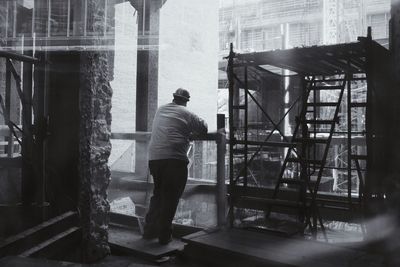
{"x": 25, "y": 240}
{"x": 327, "y": 87}
{"x": 56, "y": 245}
{"x": 309, "y": 161}
{"x": 322, "y": 104}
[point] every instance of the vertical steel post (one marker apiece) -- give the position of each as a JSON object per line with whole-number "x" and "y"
{"x": 48, "y": 18}
{"x": 246, "y": 126}
{"x": 68, "y": 16}
{"x": 231, "y": 133}
{"x": 8, "y": 107}
{"x": 27, "y": 182}
{"x": 221, "y": 186}
{"x": 349, "y": 130}
{"x": 14, "y": 28}
{"x": 105, "y": 17}
{"x": 85, "y": 16}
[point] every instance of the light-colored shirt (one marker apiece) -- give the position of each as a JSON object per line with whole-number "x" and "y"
{"x": 171, "y": 130}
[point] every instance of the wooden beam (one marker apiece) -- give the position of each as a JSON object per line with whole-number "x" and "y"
{"x": 19, "y": 57}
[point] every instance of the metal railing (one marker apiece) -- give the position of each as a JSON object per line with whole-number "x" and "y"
{"x": 142, "y": 139}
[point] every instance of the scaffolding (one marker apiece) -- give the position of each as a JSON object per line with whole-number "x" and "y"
{"x": 311, "y": 137}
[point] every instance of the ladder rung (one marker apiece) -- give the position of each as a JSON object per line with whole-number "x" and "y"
{"x": 275, "y": 202}
{"x": 311, "y": 140}
{"x": 358, "y": 105}
{"x": 329, "y": 80}
{"x": 261, "y": 143}
{"x": 327, "y": 87}
{"x": 320, "y": 121}
{"x": 236, "y": 150}
{"x": 239, "y": 107}
{"x": 308, "y": 161}
{"x": 361, "y": 157}
{"x": 323, "y": 104}
{"x": 291, "y": 181}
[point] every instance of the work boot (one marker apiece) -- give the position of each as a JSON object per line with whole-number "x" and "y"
{"x": 164, "y": 239}
{"x": 149, "y": 232}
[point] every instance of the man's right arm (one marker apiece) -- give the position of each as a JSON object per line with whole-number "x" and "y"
{"x": 198, "y": 125}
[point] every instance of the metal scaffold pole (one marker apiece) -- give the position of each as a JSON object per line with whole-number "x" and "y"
{"x": 231, "y": 132}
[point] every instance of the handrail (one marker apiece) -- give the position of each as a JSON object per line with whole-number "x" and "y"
{"x": 145, "y": 136}
{"x": 138, "y": 136}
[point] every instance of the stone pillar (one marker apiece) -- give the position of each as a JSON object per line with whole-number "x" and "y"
{"x": 94, "y": 141}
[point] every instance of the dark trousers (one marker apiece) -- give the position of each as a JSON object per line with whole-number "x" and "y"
{"x": 170, "y": 176}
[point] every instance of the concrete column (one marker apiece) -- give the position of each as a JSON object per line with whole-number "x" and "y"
{"x": 94, "y": 141}
{"x": 395, "y": 55}
{"x": 395, "y": 37}
{"x": 147, "y": 74}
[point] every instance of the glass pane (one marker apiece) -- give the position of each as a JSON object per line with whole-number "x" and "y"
{"x": 24, "y": 18}
{"x": 97, "y": 21}
{"x": 41, "y": 18}
{"x": 59, "y": 17}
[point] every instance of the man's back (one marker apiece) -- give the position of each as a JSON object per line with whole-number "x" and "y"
{"x": 172, "y": 127}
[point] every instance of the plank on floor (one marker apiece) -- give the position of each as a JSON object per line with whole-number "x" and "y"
{"x": 131, "y": 241}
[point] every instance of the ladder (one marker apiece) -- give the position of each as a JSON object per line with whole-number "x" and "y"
{"x": 305, "y": 158}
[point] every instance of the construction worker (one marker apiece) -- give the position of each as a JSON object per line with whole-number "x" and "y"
{"x": 172, "y": 126}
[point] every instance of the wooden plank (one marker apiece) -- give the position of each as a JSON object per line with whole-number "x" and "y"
{"x": 272, "y": 250}
{"x": 131, "y": 242}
